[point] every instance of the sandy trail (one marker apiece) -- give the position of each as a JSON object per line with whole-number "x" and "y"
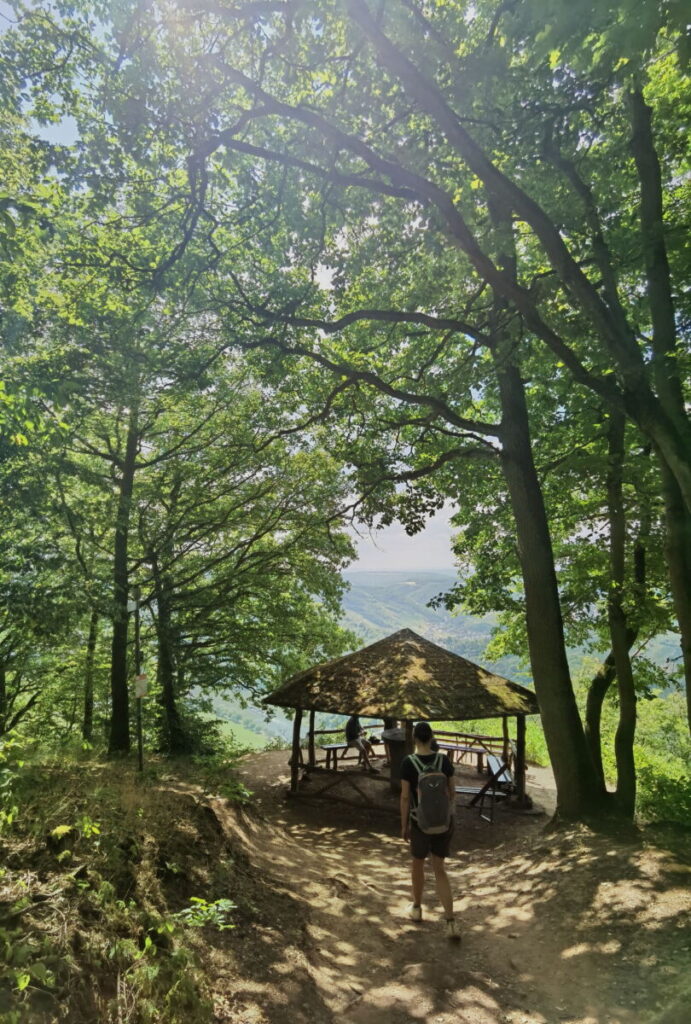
{"x": 542, "y": 943}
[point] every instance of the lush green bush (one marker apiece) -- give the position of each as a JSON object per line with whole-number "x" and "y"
{"x": 662, "y": 751}
{"x": 535, "y": 746}
{"x": 664, "y": 787}
{"x": 14, "y": 749}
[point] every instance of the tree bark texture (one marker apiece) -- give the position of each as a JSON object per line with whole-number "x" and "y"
{"x": 665, "y": 365}
{"x": 579, "y": 792}
{"x": 174, "y": 738}
{"x": 618, "y": 627}
{"x": 597, "y": 691}
{"x": 678, "y": 558}
{"x": 607, "y": 673}
{"x": 119, "y": 740}
{"x": 88, "y": 716}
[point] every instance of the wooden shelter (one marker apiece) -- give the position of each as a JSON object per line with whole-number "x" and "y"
{"x": 405, "y": 677}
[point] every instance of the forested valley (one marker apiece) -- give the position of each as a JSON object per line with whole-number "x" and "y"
{"x": 274, "y": 272}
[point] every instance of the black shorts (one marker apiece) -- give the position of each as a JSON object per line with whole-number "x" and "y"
{"x": 421, "y": 844}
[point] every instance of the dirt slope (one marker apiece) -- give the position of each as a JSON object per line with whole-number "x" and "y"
{"x": 567, "y": 927}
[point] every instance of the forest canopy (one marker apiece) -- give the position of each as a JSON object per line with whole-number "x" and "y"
{"x": 267, "y": 265}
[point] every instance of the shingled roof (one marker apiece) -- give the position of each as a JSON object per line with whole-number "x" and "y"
{"x": 407, "y": 677}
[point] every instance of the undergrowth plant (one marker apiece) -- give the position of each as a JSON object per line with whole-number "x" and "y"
{"x": 217, "y": 772}
{"x": 14, "y": 749}
{"x": 101, "y": 926}
{"x": 201, "y": 912}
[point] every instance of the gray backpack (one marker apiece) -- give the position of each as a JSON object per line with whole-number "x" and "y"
{"x": 433, "y": 812}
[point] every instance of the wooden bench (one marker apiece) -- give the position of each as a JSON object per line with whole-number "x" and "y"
{"x": 332, "y": 752}
{"x": 498, "y": 786}
{"x": 499, "y": 771}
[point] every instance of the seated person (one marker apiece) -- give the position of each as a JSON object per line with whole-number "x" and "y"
{"x": 355, "y": 737}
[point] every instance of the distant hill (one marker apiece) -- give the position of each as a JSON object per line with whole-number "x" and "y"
{"x": 375, "y": 605}
{"x": 380, "y": 603}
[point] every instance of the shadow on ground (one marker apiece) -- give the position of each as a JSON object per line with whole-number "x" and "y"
{"x": 565, "y": 927}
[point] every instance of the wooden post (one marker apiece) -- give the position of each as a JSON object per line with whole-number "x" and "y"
{"x": 519, "y": 770}
{"x": 295, "y": 759}
{"x": 409, "y": 743}
{"x": 505, "y": 734}
{"x": 310, "y": 741}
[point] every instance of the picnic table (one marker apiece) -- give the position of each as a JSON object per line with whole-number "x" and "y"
{"x": 455, "y": 752}
{"x": 499, "y": 785}
{"x": 337, "y": 752}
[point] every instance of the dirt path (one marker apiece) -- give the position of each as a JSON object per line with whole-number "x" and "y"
{"x": 568, "y": 928}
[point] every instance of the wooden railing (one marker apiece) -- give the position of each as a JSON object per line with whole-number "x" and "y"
{"x": 502, "y": 746}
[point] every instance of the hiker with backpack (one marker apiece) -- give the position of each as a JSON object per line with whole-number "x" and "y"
{"x": 427, "y": 800}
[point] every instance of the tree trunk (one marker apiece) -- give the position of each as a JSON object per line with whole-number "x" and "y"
{"x": 120, "y": 712}
{"x": 597, "y": 691}
{"x": 579, "y": 791}
{"x": 174, "y": 739}
{"x": 3, "y": 697}
{"x": 626, "y": 729}
{"x": 607, "y": 672}
{"x": 665, "y": 366}
{"x": 88, "y": 718}
{"x": 678, "y": 558}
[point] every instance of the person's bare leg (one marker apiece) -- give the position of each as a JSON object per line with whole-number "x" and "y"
{"x": 443, "y": 885}
{"x": 362, "y": 747}
{"x": 418, "y": 879}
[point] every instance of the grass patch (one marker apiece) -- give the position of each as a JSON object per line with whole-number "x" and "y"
{"x": 115, "y": 886}
{"x": 535, "y": 745}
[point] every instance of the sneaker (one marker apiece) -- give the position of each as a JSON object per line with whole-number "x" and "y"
{"x": 452, "y": 930}
{"x": 415, "y": 913}
{"x": 374, "y": 771}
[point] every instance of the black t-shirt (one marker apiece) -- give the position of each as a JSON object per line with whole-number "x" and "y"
{"x": 352, "y": 729}
{"x": 410, "y": 773}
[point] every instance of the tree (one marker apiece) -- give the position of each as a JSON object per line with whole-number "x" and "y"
{"x": 271, "y": 120}
{"x": 418, "y": 148}
{"x": 239, "y": 537}
{"x": 172, "y": 466}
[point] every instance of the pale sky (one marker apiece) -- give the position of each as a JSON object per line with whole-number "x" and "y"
{"x": 392, "y": 549}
